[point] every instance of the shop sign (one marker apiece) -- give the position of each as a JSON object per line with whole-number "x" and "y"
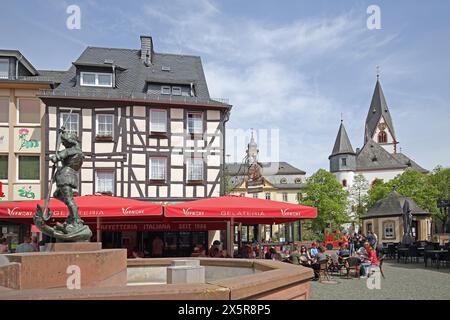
{"x": 179, "y": 226}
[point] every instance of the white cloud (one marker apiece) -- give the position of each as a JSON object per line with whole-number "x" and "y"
{"x": 269, "y": 72}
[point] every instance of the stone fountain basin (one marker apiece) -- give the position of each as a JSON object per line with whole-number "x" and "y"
{"x": 226, "y": 279}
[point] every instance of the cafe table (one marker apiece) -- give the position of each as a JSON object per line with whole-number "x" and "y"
{"x": 436, "y": 254}
{"x": 401, "y": 252}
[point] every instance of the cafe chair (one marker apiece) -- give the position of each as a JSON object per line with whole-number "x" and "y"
{"x": 353, "y": 263}
{"x": 323, "y": 271}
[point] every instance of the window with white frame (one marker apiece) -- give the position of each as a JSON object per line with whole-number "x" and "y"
{"x": 242, "y": 194}
{"x": 255, "y": 196}
{"x": 176, "y": 91}
{"x": 158, "y": 168}
{"x": 389, "y": 229}
{"x": 195, "y": 169}
{"x": 105, "y": 125}
{"x": 285, "y": 196}
{"x": 71, "y": 122}
{"x": 29, "y": 111}
{"x": 158, "y": 120}
{"x": 104, "y": 181}
{"x": 96, "y": 79}
{"x": 165, "y": 90}
{"x": 267, "y": 195}
{"x": 195, "y": 122}
{"x": 4, "y": 68}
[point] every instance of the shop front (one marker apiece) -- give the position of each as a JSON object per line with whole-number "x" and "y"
{"x": 143, "y": 229}
{"x": 159, "y": 239}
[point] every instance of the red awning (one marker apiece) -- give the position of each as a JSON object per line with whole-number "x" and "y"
{"x": 242, "y": 209}
{"x": 88, "y": 206}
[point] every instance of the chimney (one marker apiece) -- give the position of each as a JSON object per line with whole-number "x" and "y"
{"x": 146, "y": 49}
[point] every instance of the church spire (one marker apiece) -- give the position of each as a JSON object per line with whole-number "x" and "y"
{"x": 378, "y": 112}
{"x": 342, "y": 145}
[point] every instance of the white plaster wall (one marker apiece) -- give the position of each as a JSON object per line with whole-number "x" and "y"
{"x": 386, "y": 175}
{"x": 176, "y": 113}
{"x": 213, "y": 115}
{"x": 87, "y": 118}
{"x": 345, "y": 175}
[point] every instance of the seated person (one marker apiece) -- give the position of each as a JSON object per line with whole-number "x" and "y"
{"x": 313, "y": 250}
{"x": 342, "y": 252}
{"x": 214, "y": 253}
{"x": 294, "y": 258}
{"x": 196, "y": 252}
{"x": 305, "y": 258}
{"x": 317, "y": 259}
{"x": 361, "y": 253}
{"x": 369, "y": 259}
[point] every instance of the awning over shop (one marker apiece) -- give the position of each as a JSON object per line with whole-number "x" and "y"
{"x": 88, "y": 206}
{"x": 241, "y": 209}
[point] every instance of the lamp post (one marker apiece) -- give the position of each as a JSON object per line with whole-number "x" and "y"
{"x": 443, "y": 206}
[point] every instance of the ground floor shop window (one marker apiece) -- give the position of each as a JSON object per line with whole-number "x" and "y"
{"x": 156, "y": 244}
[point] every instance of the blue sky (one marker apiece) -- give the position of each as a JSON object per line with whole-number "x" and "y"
{"x": 292, "y": 65}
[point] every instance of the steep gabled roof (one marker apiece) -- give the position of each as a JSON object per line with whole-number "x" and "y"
{"x": 19, "y": 56}
{"x": 374, "y": 156}
{"x": 401, "y": 157}
{"x": 282, "y": 168}
{"x": 378, "y": 108}
{"x": 342, "y": 144}
{"x": 133, "y": 75}
{"x": 392, "y": 205}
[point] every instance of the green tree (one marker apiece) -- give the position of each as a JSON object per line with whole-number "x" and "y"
{"x": 440, "y": 179}
{"x": 325, "y": 193}
{"x": 358, "y": 196}
{"x": 411, "y": 184}
{"x": 379, "y": 190}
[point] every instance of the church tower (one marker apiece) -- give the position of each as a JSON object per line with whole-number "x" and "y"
{"x": 379, "y": 125}
{"x": 343, "y": 158}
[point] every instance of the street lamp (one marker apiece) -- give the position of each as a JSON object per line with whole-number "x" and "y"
{"x": 443, "y": 206}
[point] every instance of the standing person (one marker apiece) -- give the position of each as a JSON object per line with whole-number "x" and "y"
{"x": 351, "y": 244}
{"x": 4, "y": 246}
{"x": 25, "y": 246}
{"x": 371, "y": 238}
{"x": 345, "y": 240}
{"x": 375, "y": 240}
{"x": 157, "y": 247}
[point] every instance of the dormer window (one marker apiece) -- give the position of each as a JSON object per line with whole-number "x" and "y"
{"x": 165, "y": 90}
{"x": 4, "y": 68}
{"x": 176, "y": 91}
{"x": 96, "y": 79}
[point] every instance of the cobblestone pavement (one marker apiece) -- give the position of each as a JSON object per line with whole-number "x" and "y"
{"x": 403, "y": 281}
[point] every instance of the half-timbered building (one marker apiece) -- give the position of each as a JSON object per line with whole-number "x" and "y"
{"x": 148, "y": 127}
